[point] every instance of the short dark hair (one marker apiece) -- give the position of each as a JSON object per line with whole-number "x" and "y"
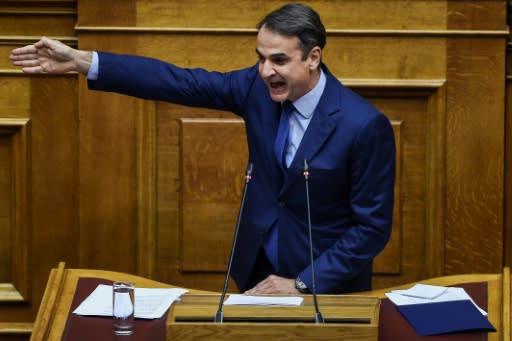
{"x": 297, "y": 20}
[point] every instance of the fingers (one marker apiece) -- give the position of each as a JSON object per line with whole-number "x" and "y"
{"x": 32, "y": 57}
{"x": 274, "y": 285}
{"x": 25, "y": 50}
{"x": 33, "y": 69}
{"x": 29, "y": 62}
{"x": 43, "y": 43}
{"x": 19, "y": 58}
{"x": 29, "y": 54}
{"x": 263, "y": 287}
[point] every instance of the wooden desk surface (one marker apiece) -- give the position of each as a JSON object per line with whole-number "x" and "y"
{"x": 498, "y": 297}
{"x": 62, "y": 283}
{"x": 55, "y": 305}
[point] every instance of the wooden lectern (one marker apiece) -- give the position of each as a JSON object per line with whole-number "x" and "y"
{"x": 347, "y": 317}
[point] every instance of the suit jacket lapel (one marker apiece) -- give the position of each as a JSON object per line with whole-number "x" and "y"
{"x": 319, "y": 129}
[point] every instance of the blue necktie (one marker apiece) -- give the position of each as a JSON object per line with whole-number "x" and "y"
{"x": 280, "y": 150}
{"x": 282, "y": 134}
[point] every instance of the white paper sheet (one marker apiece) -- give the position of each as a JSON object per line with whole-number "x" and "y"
{"x": 423, "y": 291}
{"x": 264, "y": 300}
{"x": 448, "y": 294}
{"x": 150, "y": 303}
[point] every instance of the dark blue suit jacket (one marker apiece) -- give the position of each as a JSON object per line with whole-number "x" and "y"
{"x": 351, "y": 153}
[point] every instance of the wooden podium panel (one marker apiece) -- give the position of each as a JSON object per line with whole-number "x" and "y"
{"x": 59, "y": 293}
{"x": 349, "y": 317}
{"x": 346, "y": 318}
{"x": 353, "y": 317}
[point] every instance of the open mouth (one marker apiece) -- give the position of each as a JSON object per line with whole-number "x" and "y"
{"x": 277, "y": 86}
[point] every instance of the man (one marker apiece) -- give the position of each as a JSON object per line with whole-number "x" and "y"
{"x": 348, "y": 144}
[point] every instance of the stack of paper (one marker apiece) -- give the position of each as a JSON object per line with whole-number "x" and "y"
{"x": 264, "y": 300}
{"x": 433, "y": 310}
{"x": 150, "y": 303}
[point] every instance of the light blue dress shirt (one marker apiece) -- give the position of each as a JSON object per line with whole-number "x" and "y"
{"x": 301, "y": 116}
{"x": 92, "y": 74}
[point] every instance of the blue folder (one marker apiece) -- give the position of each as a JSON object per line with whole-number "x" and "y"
{"x": 445, "y": 317}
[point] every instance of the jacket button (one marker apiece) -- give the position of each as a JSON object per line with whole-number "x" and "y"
{"x": 281, "y": 204}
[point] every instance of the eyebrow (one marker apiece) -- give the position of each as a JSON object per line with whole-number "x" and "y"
{"x": 273, "y": 56}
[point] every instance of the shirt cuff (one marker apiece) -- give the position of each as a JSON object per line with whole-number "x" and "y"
{"x": 92, "y": 74}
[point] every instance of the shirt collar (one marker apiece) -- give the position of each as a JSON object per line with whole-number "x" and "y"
{"x": 306, "y": 104}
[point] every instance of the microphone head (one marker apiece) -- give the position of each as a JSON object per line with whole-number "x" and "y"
{"x": 306, "y": 169}
{"x": 249, "y": 169}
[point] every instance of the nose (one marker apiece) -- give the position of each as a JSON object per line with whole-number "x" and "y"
{"x": 266, "y": 69}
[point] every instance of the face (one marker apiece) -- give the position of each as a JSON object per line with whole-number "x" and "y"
{"x": 286, "y": 74}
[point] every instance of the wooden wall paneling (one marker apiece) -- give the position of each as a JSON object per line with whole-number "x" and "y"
{"x": 435, "y": 210}
{"x": 493, "y": 243}
{"x": 390, "y": 259}
{"x": 108, "y": 181}
{"x": 36, "y": 18}
{"x": 42, "y": 142}
{"x": 507, "y": 238}
{"x": 146, "y": 163}
{"x": 15, "y": 130}
{"x": 168, "y": 192}
{"x": 174, "y": 124}
{"x": 6, "y": 177}
{"x": 399, "y": 56}
{"x": 54, "y": 183}
{"x": 14, "y": 97}
{"x": 20, "y": 234}
{"x": 119, "y": 197}
{"x": 107, "y": 13}
{"x": 213, "y": 160}
{"x": 476, "y": 14}
{"x": 475, "y": 155}
{"x": 37, "y": 131}
{"x": 15, "y": 285}
{"x": 244, "y": 14}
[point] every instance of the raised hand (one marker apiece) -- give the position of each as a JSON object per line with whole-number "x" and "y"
{"x": 50, "y": 56}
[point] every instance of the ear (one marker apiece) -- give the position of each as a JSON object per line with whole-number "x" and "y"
{"x": 315, "y": 57}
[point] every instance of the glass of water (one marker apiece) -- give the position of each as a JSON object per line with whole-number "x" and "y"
{"x": 123, "y": 307}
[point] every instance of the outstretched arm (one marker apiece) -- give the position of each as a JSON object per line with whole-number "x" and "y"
{"x": 51, "y": 56}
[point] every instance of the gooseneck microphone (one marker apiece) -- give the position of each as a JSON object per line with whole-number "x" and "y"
{"x": 219, "y": 316}
{"x": 318, "y": 315}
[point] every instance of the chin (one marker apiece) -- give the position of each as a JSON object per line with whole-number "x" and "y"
{"x": 278, "y": 97}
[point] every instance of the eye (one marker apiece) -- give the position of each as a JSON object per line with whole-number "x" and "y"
{"x": 280, "y": 59}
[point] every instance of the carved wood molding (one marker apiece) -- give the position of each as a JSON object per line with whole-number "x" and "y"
{"x": 8, "y": 293}
{"x": 26, "y": 40}
{"x": 63, "y": 7}
{"x": 146, "y": 188}
{"x": 338, "y": 32}
{"x": 18, "y": 290}
{"x": 393, "y": 83}
{"x": 395, "y": 87}
{"x": 16, "y": 328}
